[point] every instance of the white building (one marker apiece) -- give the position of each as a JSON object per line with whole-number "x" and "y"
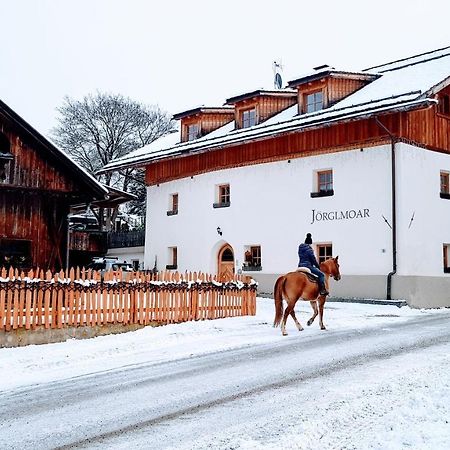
{"x": 360, "y": 160}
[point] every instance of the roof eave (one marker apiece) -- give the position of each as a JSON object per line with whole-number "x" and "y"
{"x": 58, "y": 154}
{"x": 320, "y": 123}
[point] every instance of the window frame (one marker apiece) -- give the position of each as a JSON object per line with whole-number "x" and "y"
{"x": 173, "y": 258}
{"x": 446, "y": 257}
{"x": 444, "y": 190}
{"x": 318, "y": 192}
{"x": 16, "y": 253}
{"x": 173, "y": 204}
{"x": 316, "y": 105}
{"x": 325, "y": 246}
{"x": 223, "y": 196}
{"x": 247, "y": 122}
{"x": 192, "y": 136}
{"x": 255, "y": 263}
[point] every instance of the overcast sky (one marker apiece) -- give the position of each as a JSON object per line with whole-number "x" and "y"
{"x": 181, "y": 54}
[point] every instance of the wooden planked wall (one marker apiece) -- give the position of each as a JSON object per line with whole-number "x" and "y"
{"x": 424, "y": 127}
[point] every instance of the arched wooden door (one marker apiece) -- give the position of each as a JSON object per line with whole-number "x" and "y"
{"x": 225, "y": 269}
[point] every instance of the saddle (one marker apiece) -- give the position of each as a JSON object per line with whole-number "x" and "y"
{"x": 311, "y": 277}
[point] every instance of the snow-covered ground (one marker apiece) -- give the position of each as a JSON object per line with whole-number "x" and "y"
{"x": 36, "y": 364}
{"x": 379, "y": 378}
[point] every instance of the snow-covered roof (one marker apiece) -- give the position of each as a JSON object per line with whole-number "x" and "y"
{"x": 62, "y": 157}
{"x": 204, "y": 109}
{"x": 262, "y": 92}
{"x": 401, "y": 85}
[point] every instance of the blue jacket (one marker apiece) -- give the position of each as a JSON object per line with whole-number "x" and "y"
{"x": 306, "y": 257}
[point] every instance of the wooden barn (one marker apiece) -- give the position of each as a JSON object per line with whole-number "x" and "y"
{"x": 38, "y": 185}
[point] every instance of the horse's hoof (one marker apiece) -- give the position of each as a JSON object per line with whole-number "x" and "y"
{"x": 309, "y": 322}
{"x": 323, "y": 328}
{"x": 284, "y": 334}
{"x": 300, "y": 329}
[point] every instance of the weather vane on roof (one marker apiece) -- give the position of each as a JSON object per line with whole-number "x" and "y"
{"x": 277, "y": 69}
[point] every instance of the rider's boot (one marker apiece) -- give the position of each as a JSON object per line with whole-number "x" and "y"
{"x": 322, "y": 289}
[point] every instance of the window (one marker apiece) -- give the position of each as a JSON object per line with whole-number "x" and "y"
{"x": 444, "y": 105}
{"x": 5, "y": 157}
{"x": 173, "y": 206}
{"x": 445, "y": 185}
{"x": 173, "y": 259}
{"x": 446, "y": 251}
{"x": 193, "y": 132}
{"x": 223, "y": 196}
{"x": 324, "y": 252}
{"x": 323, "y": 184}
{"x": 15, "y": 253}
{"x": 313, "y": 102}
{"x": 249, "y": 118}
{"x": 252, "y": 260}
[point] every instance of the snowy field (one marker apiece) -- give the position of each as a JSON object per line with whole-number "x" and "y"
{"x": 392, "y": 400}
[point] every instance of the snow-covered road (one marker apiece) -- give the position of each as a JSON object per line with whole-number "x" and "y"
{"x": 383, "y": 382}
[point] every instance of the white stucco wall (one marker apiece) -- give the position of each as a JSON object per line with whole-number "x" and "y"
{"x": 271, "y": 207}
{"x": 420, "y": 241}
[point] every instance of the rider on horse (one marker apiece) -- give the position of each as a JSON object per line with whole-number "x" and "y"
{"x": 307, "y": 259}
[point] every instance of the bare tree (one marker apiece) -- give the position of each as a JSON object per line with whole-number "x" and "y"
{"x": 103, "y": 127}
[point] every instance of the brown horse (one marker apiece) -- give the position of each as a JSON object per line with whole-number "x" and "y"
{"x": 296, "y": 285}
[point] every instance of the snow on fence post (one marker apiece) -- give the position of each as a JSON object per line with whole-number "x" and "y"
{"x": 88, "y": 298}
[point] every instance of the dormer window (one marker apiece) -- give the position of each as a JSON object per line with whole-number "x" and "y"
{"x": 313, "y": 102}
{"x": 249, "y": 118}
{"x": 193, "y": 132}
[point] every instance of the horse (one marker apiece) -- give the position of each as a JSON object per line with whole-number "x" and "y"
{"x": 297, "y": 285}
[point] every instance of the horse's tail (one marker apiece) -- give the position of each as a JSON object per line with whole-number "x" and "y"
{"x": 278, "y": 296}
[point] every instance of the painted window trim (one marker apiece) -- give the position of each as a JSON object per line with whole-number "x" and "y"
{"x": 444, "y": 194}
{"x": 246, "y": 267}
{"x": 219, "y": 196}
{"x": 192, "y": 137}
{"x": 322, "y": 193}
{"x": 318, "y": 245}
{"x": 248, "y": 110}
{"x": 173, "y": 204}
{"x": 313, "y": 93}
{"x": 446, "y": 257}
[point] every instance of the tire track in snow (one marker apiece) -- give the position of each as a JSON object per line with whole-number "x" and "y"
{"x": 322, "y": 371}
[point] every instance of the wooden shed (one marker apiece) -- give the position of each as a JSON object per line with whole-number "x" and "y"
{"x": 38, "y": 185}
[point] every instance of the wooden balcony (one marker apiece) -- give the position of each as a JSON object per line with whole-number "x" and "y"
{"x": 122, "y": 239}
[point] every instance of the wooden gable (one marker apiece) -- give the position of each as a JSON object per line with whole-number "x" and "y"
{"x": 205, "y": 119}
{"x": 265, "y": 103}
{"x": 333, "y": 85}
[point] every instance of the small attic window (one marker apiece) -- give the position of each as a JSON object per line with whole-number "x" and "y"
{"x": 249, "y": 118}
{"x": 193, "y": 132}
{"x": 444, "y": 104}
{"x": 313, "y": 102}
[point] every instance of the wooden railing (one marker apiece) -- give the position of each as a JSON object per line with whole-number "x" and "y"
{"x": 118, "y": 239}
{"x": 88, "y": 298}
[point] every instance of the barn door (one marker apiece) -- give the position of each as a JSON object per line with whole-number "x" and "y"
{"x": 226, "y": 263}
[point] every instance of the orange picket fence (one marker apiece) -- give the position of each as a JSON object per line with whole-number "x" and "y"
{"x": 88, "y": 298}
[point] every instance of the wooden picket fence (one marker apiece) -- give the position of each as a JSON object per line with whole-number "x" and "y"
{"x": 88, "y": 298}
